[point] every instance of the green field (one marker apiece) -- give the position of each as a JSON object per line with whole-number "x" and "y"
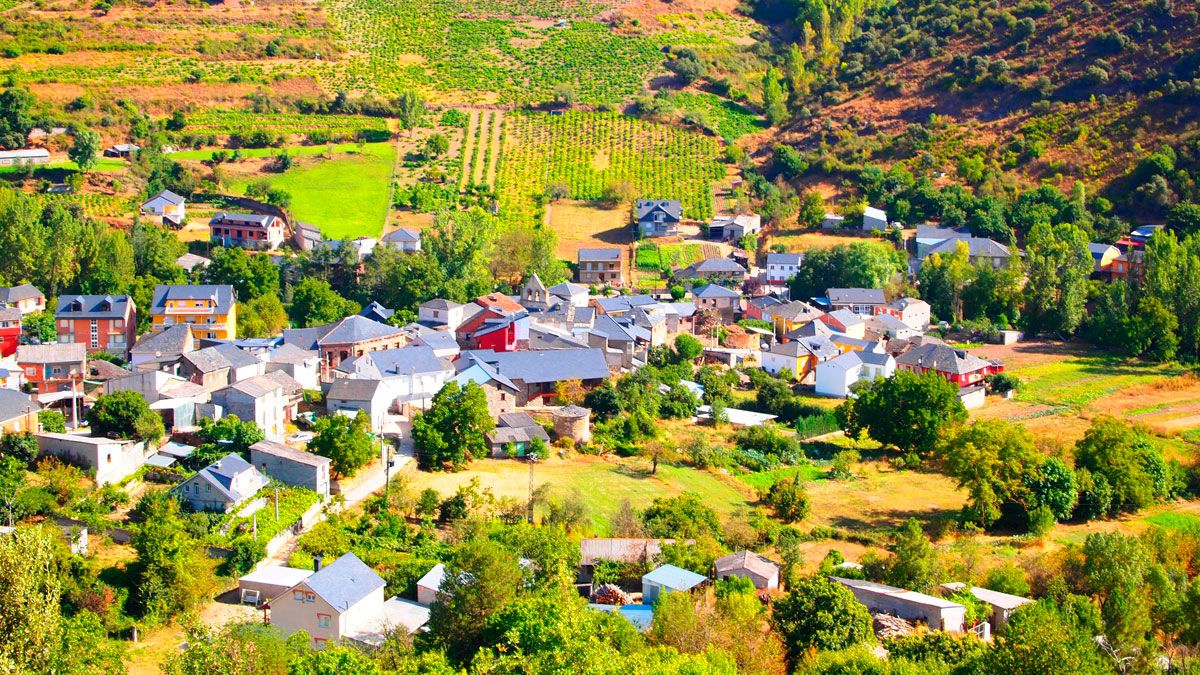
{"x": 346, "y": 196}
{"x": 728, "y": 119}
{"x": 1175, "y": 521}
{"x": 293, "y": 150}
{"x": 1079, "y": 381}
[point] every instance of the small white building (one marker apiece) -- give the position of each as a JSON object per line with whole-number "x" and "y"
{"x": 832, "y": 221}
{"x": 911, "y": 311}
{"x": 264, "y": 585}
{"x": 429, "y": 585}
{"x": 874, "y": 220}
{"x": 109, "y": 459}
{"x": 781, "y": 267}
{"x": 170, "y": 206}
{"x": 935, "y": 612}
{"x": 405, "y": 239}
{"x": 835, "y": 376}
{"x": 441, "y": 313}
{"x": 26, "y": 157}
{"x": 887, "y": 326}
{"x": 668, "y": 579}
{"x": 1003, "y": 604}
{"x": 347, "y": 395}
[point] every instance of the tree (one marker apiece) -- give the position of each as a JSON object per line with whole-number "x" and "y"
{"x": 454, "y": 429}
{"x": 252, "y": 275}
{"x": 603, "y": 401}
{"x": 1184, "y": 218}
{"x": 658, "y": 451}
{"x": 1058, "y": 265}
{"x": 1116, "y": 569}
{"x": 820, "y": 614}
{"x": 346, "y": 441}
{"x": 914, "y": 563}
{"x": 812, "y": 210}
{"x": 908, "y": 411}
{"x": 22, "y": 447}
{"x": 171, "y": 572}
{"x": 85, "y": 149}
{"x": 992, "y": 459}
{"x": 12, "y": 479}
{"x": 482, "y": 580}
{"x": 40, "y": 325}
{"x": 16, "y": 117}
{"x": 1128, "y": 460}
{"x": 864, "y": 264}
{"x": 125, "y": 414}
{"x": 436, "y": 145}
{"x": 1053, "y": 486}
{"x": 687, "y": 66}
{"x": 683, "y": 517}
{"x": 314, "y": 303}
{"x": 30, "y": 592}
{"x": 402, "y": 280}
{"x": 410, "y": 109}
{"x": 687, "y": 348}
{"x": 233, "y": 649}
{"x": 53, "y": 421}
{"x": 774, "y": 100}
{"x": 789, "y": 499}
{"x": 1045, "y": 637}
{"x": 461, "y": 242}
{"x": 944, "y": 279}
{"x": 263, "y": 316}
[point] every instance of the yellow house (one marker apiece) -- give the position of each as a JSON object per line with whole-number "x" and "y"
{"x": 211, "y": 311}
{"x": 790, "y": 316}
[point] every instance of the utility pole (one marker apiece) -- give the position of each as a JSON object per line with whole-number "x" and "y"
{"x": 532, "y": 457}
{"x": 387, "y": 472}
{"x": 276, "y": 504}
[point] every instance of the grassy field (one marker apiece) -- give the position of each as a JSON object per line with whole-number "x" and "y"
{"x": 346, "y": 196}
{"x": 580, "y": 224}
{"x": 797, "y": 240}
{"x": 293, "y": 150}
{"x": 728, "y": 119}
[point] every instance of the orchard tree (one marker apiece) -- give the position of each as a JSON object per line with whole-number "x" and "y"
{"x": 252, "y": 275}
{"x": 991, "y": 459}
{"x": 789, "y": 499}
{"x": 172, "y": 575}
{"x": 125, "y": 414}
{"x": 909, "y": 411}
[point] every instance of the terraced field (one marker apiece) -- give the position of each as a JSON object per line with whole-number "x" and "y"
{"x": 481, "y": 148}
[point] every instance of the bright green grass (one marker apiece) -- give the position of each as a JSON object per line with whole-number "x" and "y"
{"x": 761, "y": 480}
{"x": 345, "y": 197}
{"x": 293, "y": 150}
{"x": 103, "y": 165}
{"x": 729, "y": 119}
{"x": 1174, "y": 521}
{"x": 1081, "y": 380}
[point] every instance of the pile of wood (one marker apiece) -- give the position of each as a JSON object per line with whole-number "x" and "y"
{"x": 608, "y": 594}
{"x": 887, "y": 626}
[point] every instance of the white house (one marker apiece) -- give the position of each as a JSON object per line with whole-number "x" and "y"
{"x": 222, "y": 485}
{"x": 441, "y": 313}
{"x": 302, "y": 365}
{"x": 404, "y": 239}
{"x": 170, "y": 206}
{"x": 344, "y": 601}
{"x": 911, "y": 311}
{"x": 835, "y": 376}
{"x": 108, "y": 459}
{"x": 782, "y": 266}
{"x": 888, "y": 326}
{"x": 348, "y": 395}
{"x": 412, "y": 375}
{"x": 874, "y": 220}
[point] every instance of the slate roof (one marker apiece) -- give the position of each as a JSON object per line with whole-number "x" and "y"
{"x": 291, "y": 387}
{"x": 353, "y": 389}
{"x": 714, "y": 291}
{"x": 14, "y": 404}
{"x": 889, "y": 322}
{"x": 257, "y": 386}
{"x": 402, "y": 235}
{"x": 289, "y": 453}
{"x": 809, "y": 330}
{"x": 413, "y": 360}
{"x": 10, "y": 314}
{"x": 899, "y": 593}
{"x": 795, "y": 311}
{"x": 344, "y": 582}
{"x": 607, "y": 327}
{"x": 221, "y": 294}
{"x": 845, "y": 317}
{"x": 75, "y": 352}
{"x": 855, "y": 296}
{"x": 872, "y": 212}
{"x": 543, "y": 366}
{"x": 785, "y": 258}
{"x": 190, "y": 261}
{"x": 290, "y": 353}
{"x": 92, "y": 306}
{"x": 18, "y": 293}
{"x": 356, "y": 329}
{"x": 1098, "y": 251}
{"x": 376, "y": 312}
{"x": 623, "y": 303}
{"x": 434, "y": 577}
{"x": 745, "y": 561}
{"x": 716, "y": 266}
{"x": 259, "y": 219}
{"x": 599, "y": 255}
{"x": 567, "y": 289}
{"x": 167, "y": 196}
{"x": 222, "y": 472}
{"x": 977, "y": 247}
{"x": 675, "y": 578}
{"x": 942, "y": 358}
{"x": 306, "y": 338}
{"x": 673, "y": 208}
{"x": 212, "y": 359}
{"x": 440, "y": 303}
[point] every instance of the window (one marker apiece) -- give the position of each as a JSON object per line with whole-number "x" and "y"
{"x": 298, "y": 596}
{"x": 310, "y": 597}
{"x": 323, "y": 620}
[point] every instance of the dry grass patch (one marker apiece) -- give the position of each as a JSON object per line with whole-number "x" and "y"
{"x": 882, "y": 498}
{"x": 581, "y": 224}
{"x": 795, "y": 240}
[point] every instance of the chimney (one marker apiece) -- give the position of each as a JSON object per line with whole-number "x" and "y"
{"x": 317, "y": 563}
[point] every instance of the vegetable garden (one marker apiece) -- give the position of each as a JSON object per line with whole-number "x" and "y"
{"x": 589, "y": 152}
{"x": 230, "y": 122}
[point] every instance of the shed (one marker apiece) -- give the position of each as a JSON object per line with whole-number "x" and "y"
{"x": 667, "y": 579}
{"x": 266, "y": 584}
{"x": 1002, "y": 604}
{"x": 763, "y": 572}
{"x": 937, "y": 613}
{"x": 428, "y": 585}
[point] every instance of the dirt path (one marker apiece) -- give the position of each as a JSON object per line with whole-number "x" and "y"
{"x": 494, "y": 145}
{"x": 478, "y": 165}
{"x": 468, "y": 148}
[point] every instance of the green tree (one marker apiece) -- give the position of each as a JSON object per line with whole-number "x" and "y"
{"x": 480, "y": 583}
{"x": 171, "y": 573}
{"x": 1124, "y": 457}
{"x": 820, "y": 614}
{"x": 22, "y": 447}
{"x": 454, "y": 429}
{"x": 914, "y": 564}
{"x": 30, "y": 591}
{"x": 683, "y": 517}
{"x": 85, "y": 149}
{"x": 1184, "y": 218}
{"x": 334, "y": 660}
{"x": 233, "y": 649}
{"x": 1058, "y": 264}
{"x": 789, "y": 499}
{"x": 410, "y": 109}
{"x": 1116, "y": 569}
{"x": 12, "y": 480}
{"x": 314, "y": 303}
{"x": 402, "y": 280}
{"x": 908, "y": 411}
{"x": 52, "y": 421}
{"x": 1053, "y": 485}
{"x": 263, "y": 316}
{"x": 155, "y": 250}
{"x": 16, "y": 117}
{"x": 1045, "y": 637}
{"x": 812, "y": 210}
{"x": 347, "y": 442}
{"x": 252, "y": 275}
{"x": 774, "y": 99}
{"x": 865, "y": 264}
{"x": 687, "y": 348}
{"x": 992, "y": 460}
{"x": 125, "y": 414}
{"x": 436, "y": 145}
{"x": 461, "y": 243}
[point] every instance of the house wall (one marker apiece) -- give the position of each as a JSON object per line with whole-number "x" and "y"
{"x": 291, "y": 616}
{"x": 10, "y": 337}
{"x": 332, "y": 355}
{"x": 834, "y": 381}
{"x": 308, "y": 373}
{"x": 938, "y": 618}
{"x": 376, "y": 408}
{"x": 114, "y": 336}
{"x": 22, "y": 424}
{"x": 452, "y": 318}
{"x": 651, "y": 591}
{"x": 759, "y": 581}
{"x": 315, "y": 478}
{"x": 109, "y": 460}
{"x": 775, "y": 363}
{"x": 601, "y": 273}
{"x": 266, "y": 411}
{"x": 200, "y": 495}
{"x": 52, "y": 377}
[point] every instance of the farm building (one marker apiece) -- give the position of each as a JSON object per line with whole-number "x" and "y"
{"x": 1002, "y": 604}
{"x": 28, "y": 157}
{"x": 668, "y": 579}
{"x": 935, "y": 612}
{"x": 763, "y": 572}
{"x": 874, "y": 220}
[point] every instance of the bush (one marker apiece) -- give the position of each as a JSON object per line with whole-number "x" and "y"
{"x": 789, "y": 499}
{"x": 244, "y": 554}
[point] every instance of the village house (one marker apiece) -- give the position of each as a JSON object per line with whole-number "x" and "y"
{"x": 955, "y": 365}
{"x": 724, "y": 301}
{"x": 535, "y": 373}
{"x": 798, "y": 356}
{"x": 659, "y": 217}
{"x": 222, "y": 485}
{"x": 10, "y": 331}
{"x": 302, "y": 365}
{"x": 122, "y": 150}
{"x": 569, "y": 294}
{"x": 404, "y": 239}
{"x": 306, "y": 236}
{"x": 210, "y": 310}
{"x": 934, "y": 612}
{"x": 1103, "y": 257}
{"x": 168, "y": 206}
{"x": 344, "y": 602}
{"x": 53, "y": 368}
{"x": 1129, "y": 265}
{"x": 763, "y": 573}
{"x": 713, "y": 269}
{"x": 260, "y": 399}
{"x": 18, "y": 413}
{"x": 781, "y": 267}
{"x": 517, "y": 429}
{"x": 615, "y": 338}
{"x": 348, "y": 395}
{"x": 502, "y": 394}
{"x": 107, "y": 460}
{"x": 789, "y": 316}
{"x": 257, "y": 231}
{"x": 162, "y": 349}
{"x": 376, "y": 312}
{"x": 874, "y": 220}
{"x": 219, "y": 366}
{"x": 887, "y": 326}
{"x": 832, "y": 221}
{"x": 858, "y": 300}
{"x": 912, "y": 311}
{"x": 600, "y": 267}
{"x": 758, "y": 306}
{"x": 265, "y": 584}
{"x": 929, "y": 237}
{"x": 101, "y": 322}
{"x": 291, "y": 466}
{"x": 845, "y": 322}
{"x": 190, "y": 262}
{"x": 413, "y": 375}
{"x": 1138, "y": 237}
{"x": 668, "y": 579}
{"x": 836, "y": 376}
{"x": 26, "y": 298}
{"x": 443, "y": 343}
{"x": 979, "y": 251}
{"x": 494, "y": 329}
{"x": 429, "y": 585}
{"x": 441, "y": 313}
{"x": 734, "y": 227}
{"x": 355, "y": 336}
